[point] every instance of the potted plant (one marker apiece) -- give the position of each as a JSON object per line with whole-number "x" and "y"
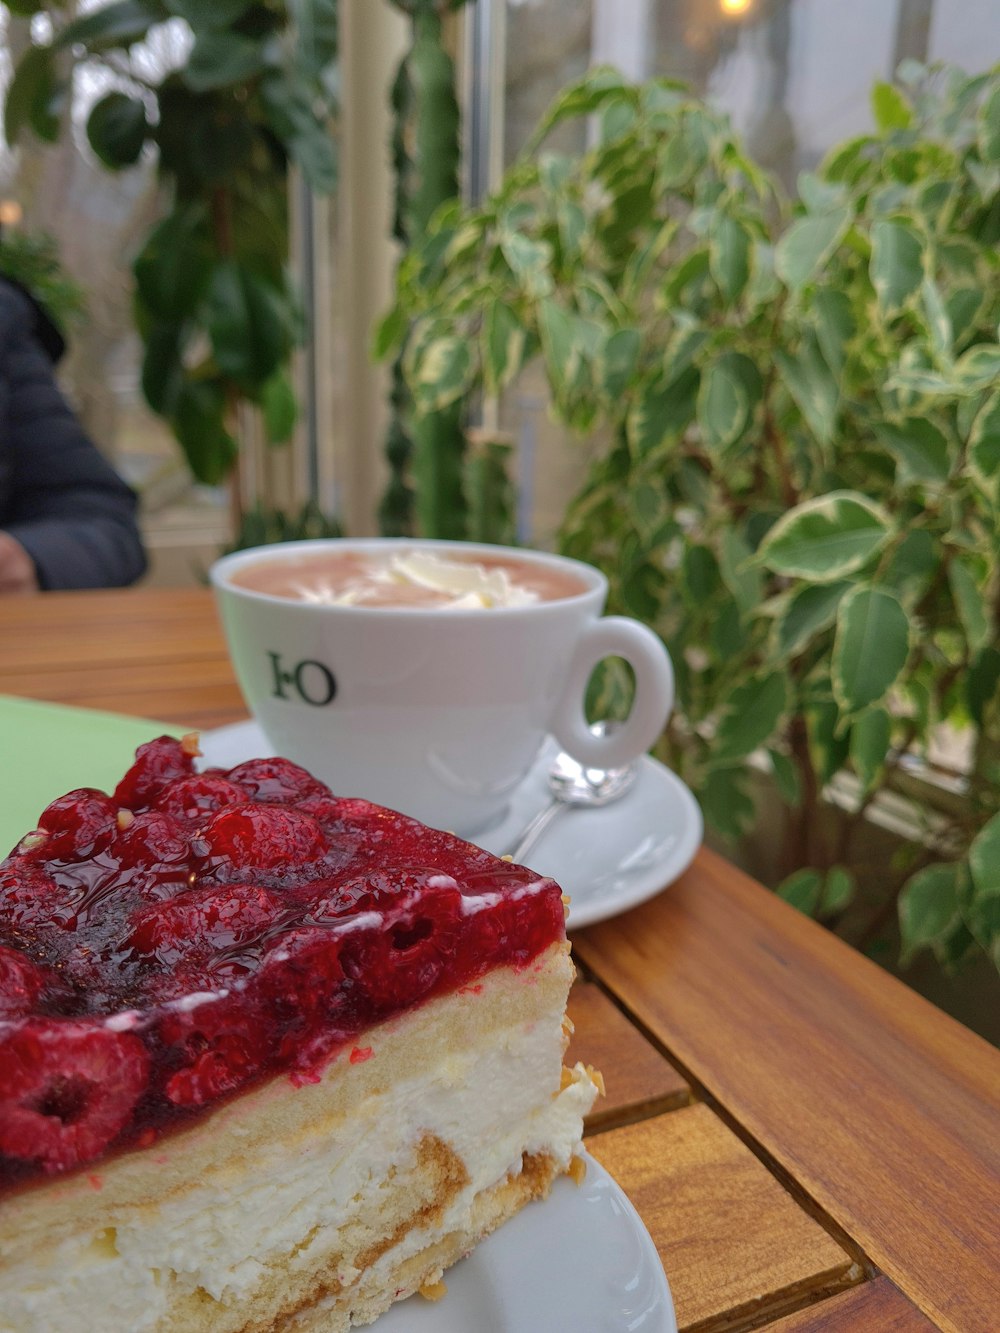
{"x": 801, "y": 486}
{"x": 227, "y": 114}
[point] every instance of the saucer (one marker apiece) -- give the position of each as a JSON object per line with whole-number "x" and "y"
{"x": 604, "y": 1275}
{"x": 608, "y": 860}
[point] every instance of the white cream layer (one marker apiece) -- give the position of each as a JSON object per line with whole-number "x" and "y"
{"x": 484, "y": 1102}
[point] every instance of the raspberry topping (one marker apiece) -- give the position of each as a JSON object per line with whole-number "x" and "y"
{"x": 277, "y": 780}
{"x": 170, "y": 945}
{"x": 203, "y": 923}
{"x": 66, "y": 1090}
{"x": 156, "y": 763}
{"x": 79, "y": 824}
{"x": 262, "y": 837}
{"x": 195, "y": 798}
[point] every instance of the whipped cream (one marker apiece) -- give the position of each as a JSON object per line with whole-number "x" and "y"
{"x": 459, "y": 585}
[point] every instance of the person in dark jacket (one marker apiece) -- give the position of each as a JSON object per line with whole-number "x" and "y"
{"x": 67, "y": 520}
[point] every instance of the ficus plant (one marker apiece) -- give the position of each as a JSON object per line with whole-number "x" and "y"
{"x": 800, "y": 488}
{"x": 252, "y": 94}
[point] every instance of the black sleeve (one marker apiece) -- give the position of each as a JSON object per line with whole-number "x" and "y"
{"x": 68, "y": 508}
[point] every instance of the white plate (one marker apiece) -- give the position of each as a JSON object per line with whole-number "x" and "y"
{"x": 580, "y": 1260}
{"x": 607, "y": 860}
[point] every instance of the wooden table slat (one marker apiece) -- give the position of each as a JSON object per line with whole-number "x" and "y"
{"x": 874, "y": 1307}
{"x": 886, "y": 1111}
{"x": 639, "y": 1080}
{"x": 688, "y": 1175}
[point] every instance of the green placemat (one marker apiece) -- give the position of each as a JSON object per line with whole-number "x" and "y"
{"x": 47, "y": 749}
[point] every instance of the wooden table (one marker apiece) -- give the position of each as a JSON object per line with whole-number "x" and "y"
{"x": 811, "y": 1145}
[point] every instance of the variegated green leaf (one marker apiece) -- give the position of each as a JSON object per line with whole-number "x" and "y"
{"x": 938, "y": 319}
{"x": 662, "y": 409}
{"x": 921, "y": 450}
{"x": 978, "y": 368}
{"x": 529, "y": 261}
{"x": 618, "y": 361}
{"x": 786, "y": 777}
{"x": 989, "y": 127}
{"x": 729, "y": 256}
{"x": 812, "y": 610}
{"x": 870, "y": 648}
{"x": 870, "y": 737}
{"x": 897, "y": 263}
{"x": 970, "y": 602}
{"x": 443, "y": 373}
{"x": 891, "y": 109}
{"x": 827, "y": 538}
{"x": 753, "y": 713}
{"x": 839, "y": 889}
{"x": 740, "y": 575}
{"x": 505, "y": 338}
{"x": 812, "y": 385}
{"x": 802, "y": 889}
{"x": 808, "y": 244}
{"x": 929, "y": 906}
{"x": 984, "y": 445}
{"x": 723, "y": 405}
{"x": 724, "y": 798}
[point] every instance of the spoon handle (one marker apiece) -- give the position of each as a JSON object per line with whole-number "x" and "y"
{"x": 533, "y": 831}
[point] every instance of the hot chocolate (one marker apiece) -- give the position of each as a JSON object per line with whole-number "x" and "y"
{"x": 411, "y": 577}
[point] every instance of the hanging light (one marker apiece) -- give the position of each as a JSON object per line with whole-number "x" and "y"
{"x": 733, "y": 8}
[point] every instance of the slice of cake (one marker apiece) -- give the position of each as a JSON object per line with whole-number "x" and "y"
{"x": 269, "y": 1059}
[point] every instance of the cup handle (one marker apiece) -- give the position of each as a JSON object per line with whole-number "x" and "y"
{"x": 616, "y": 636}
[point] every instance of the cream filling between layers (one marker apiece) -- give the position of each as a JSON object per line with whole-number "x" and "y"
{"x": 480, "y": 1072}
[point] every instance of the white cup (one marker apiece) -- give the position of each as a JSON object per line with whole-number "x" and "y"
{"x": 437, "y": 712}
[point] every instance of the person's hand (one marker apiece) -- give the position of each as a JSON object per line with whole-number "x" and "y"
{"x": 17, "y": 569}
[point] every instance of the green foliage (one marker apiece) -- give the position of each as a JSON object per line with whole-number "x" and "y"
{"x": 435, "y": 487}
{"x": 802, "y": 489}
{"x": 262, "y": 525}
{"x": 32, "y": 259}
{"x": 213, "y": 303}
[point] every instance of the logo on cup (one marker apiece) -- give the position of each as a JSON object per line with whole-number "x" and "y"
{"x": 311, "y": 680}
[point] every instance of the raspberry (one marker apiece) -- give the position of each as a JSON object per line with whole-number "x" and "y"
{"x": 262, "y": 838}
{"x": 22, "y": 983}
{"x": 66, "y": 1090}
{"x": 78, "y": 824}
{"x": 154, "y": 840}
{"x": 197, "y": 797}
{"x": 301, "y": 973}
{"x": 199, "y": 924}
{"x": 156, "y": 763}
{"x": 220, "y": 1043}
{"x": 276, "y": 781}
{"x": 400, "y": 962}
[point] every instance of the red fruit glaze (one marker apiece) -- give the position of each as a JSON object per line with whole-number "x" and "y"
{"x": 156, "y": 763}
{"x": 169, "y": 946}
{"x": 195, "y": 798}
{"x": 66, "y": 1090}
{"x": 78, "y": 824}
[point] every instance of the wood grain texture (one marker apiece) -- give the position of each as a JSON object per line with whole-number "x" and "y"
{"x": 732, "y": 1241}
{"x": 156, "y": 653}
{"x": 883, "y": 1109}
{"x": 874, "y": 1307}
{"x": 637, "y": 1078}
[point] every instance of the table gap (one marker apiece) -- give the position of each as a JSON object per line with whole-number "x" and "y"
{"x": 785, "y": 1303}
